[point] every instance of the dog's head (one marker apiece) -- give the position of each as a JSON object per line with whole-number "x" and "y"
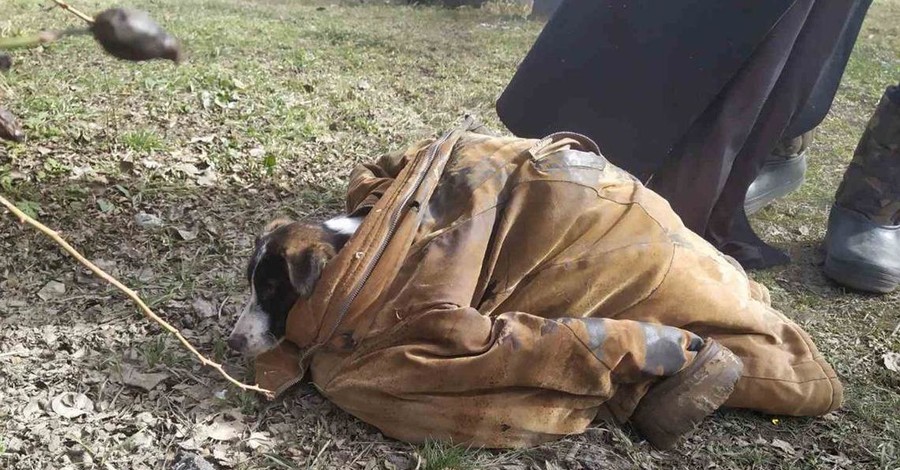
{"x": 287, "y": 261}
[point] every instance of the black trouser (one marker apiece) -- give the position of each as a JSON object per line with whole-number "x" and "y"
{"x": 783, "y": 90}
{"x": 688, "y": 95}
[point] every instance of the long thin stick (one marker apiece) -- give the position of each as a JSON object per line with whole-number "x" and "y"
{"x": 67, "y": 7}
{"x": 44, "y": 37}
{"x": 23, "y": 217}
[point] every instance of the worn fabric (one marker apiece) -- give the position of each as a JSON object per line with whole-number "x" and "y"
{"x": 871, "y": 184}
{"x": 792, "y": 147}
{"x": 691, "y": 96}
{"x": 503, "y": 292}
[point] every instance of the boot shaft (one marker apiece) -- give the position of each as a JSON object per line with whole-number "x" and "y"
{"x": 871, "y": 184}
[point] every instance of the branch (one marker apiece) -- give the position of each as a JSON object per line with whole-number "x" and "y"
{"x": 67, "y": 7}
{"x": 24, "y": 218}
{"x": 44, "y": 37}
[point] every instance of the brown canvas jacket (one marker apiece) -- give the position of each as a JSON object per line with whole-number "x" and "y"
{"x": 503, "y": 292}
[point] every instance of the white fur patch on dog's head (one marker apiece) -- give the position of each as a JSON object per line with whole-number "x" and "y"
{"x": 252, "y": 334}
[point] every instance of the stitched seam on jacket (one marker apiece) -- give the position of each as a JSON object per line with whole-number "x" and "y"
{"x": 578, "y": 338}
{"x": 809, "y": 347}
{"x": 515, "y": 187}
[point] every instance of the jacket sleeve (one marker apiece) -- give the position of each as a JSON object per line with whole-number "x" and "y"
{"x": 369, "y": 181}
{"x": 506, "y": 381}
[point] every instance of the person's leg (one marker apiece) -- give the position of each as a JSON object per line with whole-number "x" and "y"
{"x": 863, "y": 239}
{"x": 707, "y": 152}
{"x": 744, "y": 124}
{"x": 819, "y": 102}
{"x": 782, "y": 173}
{"x": 728, "y": 227}
{"x": 709, "y": 294}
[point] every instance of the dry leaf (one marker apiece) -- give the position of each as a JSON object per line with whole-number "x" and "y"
{"x": 32, "y": 409}
{"x": 207, "y": 139}
{"x": 892, "y": 361}
{"x": 190, "y": 461}
{"x": 204, "y": 308}
{"x": 784, "y": 446}
{"x": 187, "y": 235}
{"x": 839, "y": 460}
{"x": 221, "y": 430}
{"x": 208, "y": 178}
{"x": 260, "y": 441}
{"x": 72, "y": 405}
{"x": 187, "y": 168}
{"x": 130, "y": 376}
{"x": 147, "y": 221}
{"x": 142, "y": 439}
{"x": 150, "y": 163}
{"x": 9, "y": 126}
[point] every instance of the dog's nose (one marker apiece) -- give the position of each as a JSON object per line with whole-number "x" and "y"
{"x": 237, "y": 342}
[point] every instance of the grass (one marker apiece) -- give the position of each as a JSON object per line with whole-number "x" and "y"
{"x": 142, "y": 141}
{"x": 439, "y": 456}
{"x": 278, "y": 100}
{"x": 157, "y": 351}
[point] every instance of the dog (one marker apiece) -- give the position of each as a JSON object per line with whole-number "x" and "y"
{"x": 288, "y": 259}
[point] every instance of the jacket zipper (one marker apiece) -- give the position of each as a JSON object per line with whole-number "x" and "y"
{"x": 395, "y": 220}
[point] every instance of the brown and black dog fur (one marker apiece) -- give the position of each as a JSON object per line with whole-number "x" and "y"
{"x": 287, "y": 260}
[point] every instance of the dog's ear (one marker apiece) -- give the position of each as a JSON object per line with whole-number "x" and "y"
{"x": 305, "y": 268}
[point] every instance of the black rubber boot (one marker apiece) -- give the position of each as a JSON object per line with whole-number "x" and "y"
{"x": 782, "y": 173}
{"x": 863, "y": 239}
{"x": 861, "y": 254}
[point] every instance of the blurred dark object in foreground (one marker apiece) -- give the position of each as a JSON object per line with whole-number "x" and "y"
{"x": 132, "y": 35}
{"x": 9, "y": 127}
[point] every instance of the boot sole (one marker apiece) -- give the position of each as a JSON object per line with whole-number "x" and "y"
{"x": 795, "y": 170}
{"x": 860, "y": 276}
{"x": 717, "y": 366}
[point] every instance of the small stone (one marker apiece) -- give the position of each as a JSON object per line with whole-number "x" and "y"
{"x": 147, "y": 221}
{"x": 52, "y": 290}
{"x": 187, "y": 234}
{"x": 146, "y": 418}
{"x": 204, "y": 308}
{"x": 14, "y": 445}
{"x": 891, "y": 361}
{"x": 142, "y": 440}
{"x": 189, "y": 461}
{"x": 5, "y": 62}
{"x": 9, "y": 127}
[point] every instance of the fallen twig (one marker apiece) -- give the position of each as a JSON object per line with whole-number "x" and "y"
{"x": 24, "y": 218}
{"x": 70, "y": 9}
{"x": 319, "y": 455}
{"x": 44, "y": 37}
{"x": 14, "y": 353}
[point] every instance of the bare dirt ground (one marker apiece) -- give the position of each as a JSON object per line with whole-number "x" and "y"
{"x": 162, "y": 176}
